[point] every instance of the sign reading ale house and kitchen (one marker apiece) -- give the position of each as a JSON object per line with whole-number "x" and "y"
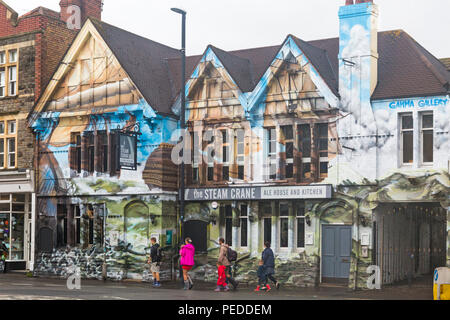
{"x": 259, "y": 193}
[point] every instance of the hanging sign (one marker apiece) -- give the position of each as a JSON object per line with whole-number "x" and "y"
{"x": 128, "y": 151}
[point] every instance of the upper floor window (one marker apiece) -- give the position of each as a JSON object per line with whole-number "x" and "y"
{"x": 240, "y": 153}
{"x": 304, "y": 145}
{"x": 322, "y": 129}
{"x": 226, "y": 150}
{"x": 271, "y": 134}
{"x": 8, "y": 73}
{"x": 427, "y": 133}
{"x": 288, "y": 141}
{"x": 407, "y": 138}
{"x": 8, "y": 144}
{"x": 195, "y": 156}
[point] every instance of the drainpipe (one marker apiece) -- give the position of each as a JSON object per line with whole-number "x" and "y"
{"x": 358, "y": 244}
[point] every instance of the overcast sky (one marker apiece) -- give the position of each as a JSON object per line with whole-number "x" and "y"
{"x": 240, "y": 24}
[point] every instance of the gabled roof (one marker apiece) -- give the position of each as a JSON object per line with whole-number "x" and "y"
{"x": 321, "y": 61}
{"x": 144, "y": 61}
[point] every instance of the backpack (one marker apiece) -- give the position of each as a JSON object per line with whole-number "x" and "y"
{"x": 231, "y": 255}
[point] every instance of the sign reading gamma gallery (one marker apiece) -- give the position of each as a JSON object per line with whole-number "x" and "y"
{"x": 259, "y": 193}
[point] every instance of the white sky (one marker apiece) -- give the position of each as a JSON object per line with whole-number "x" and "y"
{"x": 240, "y": 24}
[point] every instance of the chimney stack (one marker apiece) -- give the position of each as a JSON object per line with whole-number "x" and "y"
{"x": 87, "y": 8}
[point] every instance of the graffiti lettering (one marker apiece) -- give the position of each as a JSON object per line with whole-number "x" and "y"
{"x": 401, "y": 104}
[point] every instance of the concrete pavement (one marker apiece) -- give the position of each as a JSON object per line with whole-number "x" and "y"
{"x": 19, "y": 287}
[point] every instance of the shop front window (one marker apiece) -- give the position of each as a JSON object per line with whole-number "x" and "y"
{"x": 12, "y": 226}
{"x": 284, "y": 226}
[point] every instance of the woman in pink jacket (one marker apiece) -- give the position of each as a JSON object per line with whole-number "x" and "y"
{"x": 187, "y": 253}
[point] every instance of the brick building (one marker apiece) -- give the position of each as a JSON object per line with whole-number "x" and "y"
{"x": 31, "y": 47}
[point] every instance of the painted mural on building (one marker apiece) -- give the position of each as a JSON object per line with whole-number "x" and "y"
{"x": 301, "y": 114}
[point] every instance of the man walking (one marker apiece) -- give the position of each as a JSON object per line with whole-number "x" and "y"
{"x": 225, "y": 261}
{"x": 155, "y": 262}
{"x": 267, "y": 269}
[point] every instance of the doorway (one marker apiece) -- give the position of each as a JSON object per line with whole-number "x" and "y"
{"x": 198, "y": 231}
{"x": 336, "y": 253}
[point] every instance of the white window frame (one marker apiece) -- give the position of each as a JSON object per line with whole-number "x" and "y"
{"x": 402, "y": 131}
{"x": 12, "y": 124}
{"x": 12, "y": 81}
{"x": 279, "y": 247}
{"x": 240, "y": 157}
{"x": 240, "y": 226}
{"x": 422, "y": 131}
{"x": 226, "y": 144}
{"x": 271, "y": 154}
{"x": 2, "y": 57}
{"x": 297, "y": 217}
{"x": 2, "y": 83}
{"x": 2, "y": 153}
{"x": 195, "y": 154}
{"x": 10, "y": 52}
{"x": 210, "y": 154}
{"x": 11, "y": 153}
{"x": 286, "y": 141}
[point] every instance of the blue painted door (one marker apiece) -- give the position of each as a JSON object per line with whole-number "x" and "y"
{"x": 336, "y": 251}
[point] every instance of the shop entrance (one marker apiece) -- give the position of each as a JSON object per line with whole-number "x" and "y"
{"x": 409, "y": 240}
{"x": 336, "y": 251}
{"x": 14, "y": 230}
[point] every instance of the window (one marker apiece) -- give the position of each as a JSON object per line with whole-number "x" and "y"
{"x": 77, "y": 217}
{"x": 323, "y": 148}
{"x": 240, "y": 153}
{"x": 8, "y": 140}
{"x": 91, "y": 152}
{"x": 12, "y": 71}
{"x": 272, "y": 152}
{"x": 304, "y": 141}
{"x": 61, "y": 227}
{"x": 244, "y": 225}
{"x": 2, "y": 153}
{"x": 103, "y": 153}
{"x": 12, "y": 56}
{"x": 8, "y": 73}
{"x": 288, "y": 141}
{"x": 229, "y": 225}
{"x": 300, "y": 227}
{"x": 77, "y": 152}
{"x": 427, "y": 132}
{"x": 267, "y": 221}
{"x": 284, "y": 225}
{"x": 12, "y": 127}
{"x": 195, "y": 154}
{"x": 2, "y": 82}
{"x": 407, "y": 138}
{"x": 90, "y": 214}
{"x": 11, "y": 152}
{"x": 225, "y": 155}
{"x": 211, "y": 155}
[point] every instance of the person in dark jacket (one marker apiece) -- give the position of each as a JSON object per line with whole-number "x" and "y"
{"x": 267, "y": 269}
{"x": 155, "y": 262}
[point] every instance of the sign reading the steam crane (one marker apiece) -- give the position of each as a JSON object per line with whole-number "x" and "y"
{"x": 259, "y": 193}
{"x": 128, "y": 151}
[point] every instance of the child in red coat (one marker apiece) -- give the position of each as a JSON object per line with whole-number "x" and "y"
{"x": 222, "y": 281}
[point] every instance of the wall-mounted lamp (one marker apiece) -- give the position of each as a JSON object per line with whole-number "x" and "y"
{"x": 153, "y": 219}
{"x": 308, "y": 221}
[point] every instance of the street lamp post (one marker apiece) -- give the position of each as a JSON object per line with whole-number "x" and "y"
{"x": 182, "y": 111}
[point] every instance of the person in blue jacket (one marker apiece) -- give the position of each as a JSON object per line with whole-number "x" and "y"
{"x": 266, "y": 269}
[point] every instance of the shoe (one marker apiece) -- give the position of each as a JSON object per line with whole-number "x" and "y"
{"x": 226, "y": 289}
{"x": 258, "y": 288}
{"x": 191, "y": 285}
{"x": 277, "y": 285}
{"x": 268, "y": 288}
{"x": 218, "y": 289}
{"x": 157, "y": 285}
